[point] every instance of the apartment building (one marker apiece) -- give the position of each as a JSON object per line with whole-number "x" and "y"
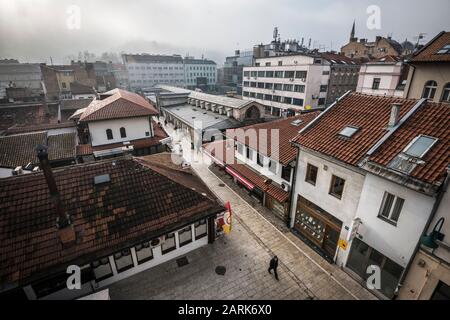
{"x": 385, "y": 76}
{"x": 288, "y": 84}
{"x": 20, "y": 75}
{"x": 200, "y": 73}
{"x": 145, "y": 70}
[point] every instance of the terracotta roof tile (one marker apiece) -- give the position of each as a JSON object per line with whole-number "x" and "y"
{"x": 62, "y": 146}
{"x": 84, "y": 149}
{"x": 39, "y": 127}
{"x": 120, "y": 104}
{"x": 431, "y": 120}
{"x": 429, "y": 52}
{"x": 138, "y": 204}
{"x": 369, "y": 113}
{"x": 287, "y": 131}
{"x": 19, "y": 150}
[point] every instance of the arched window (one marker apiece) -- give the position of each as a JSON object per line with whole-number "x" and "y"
{"x": 109, "y": 134}
{"x": 446, "y": 93}
{"x": 429, "y": 90}
{"x": 123, "y": 133}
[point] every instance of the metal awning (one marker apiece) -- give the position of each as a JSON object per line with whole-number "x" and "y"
{"x": 241, "y": 179}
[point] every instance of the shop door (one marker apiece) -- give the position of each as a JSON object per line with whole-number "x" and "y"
{"x": 330, "y": 241}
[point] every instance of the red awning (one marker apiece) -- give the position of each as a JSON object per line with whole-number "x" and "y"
{"x": 241, "y": 179}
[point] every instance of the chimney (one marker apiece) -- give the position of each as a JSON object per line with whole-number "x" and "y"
{"x": 66, "y": 232}
{"x": 395, "y": 113}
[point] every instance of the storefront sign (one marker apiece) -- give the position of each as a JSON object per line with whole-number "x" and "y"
{"x": 343, "y": 244}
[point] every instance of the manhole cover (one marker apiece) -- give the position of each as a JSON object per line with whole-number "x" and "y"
{"x": 220, "y": 270}
{"x": 221, "y": 185}
{"x": 182, "y": 261}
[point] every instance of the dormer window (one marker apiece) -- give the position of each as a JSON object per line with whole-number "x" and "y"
{"x": 412, "y": 155}
{"x": 348, "y": 131}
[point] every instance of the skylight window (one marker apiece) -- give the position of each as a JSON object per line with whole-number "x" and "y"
{"x": 297, "y": 122}
{"x": 348, "y": 131}
{"x": 445, "y": 49}
{"x": 419, "y": 146}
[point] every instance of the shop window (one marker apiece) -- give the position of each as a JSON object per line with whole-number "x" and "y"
{"x": 102, "y": 269}
{"x": 200, "y": 229}
{"x": 123, "y": 260}
{"x": 169, "y": 243}
{"x": 144, "y": 252}
{"x": 286, "y": 173}
{"x": 311, "y": 174}
{"x": 391, "y": 206}
{"x": 337, "y": 186}
{"x": 362, "y": 256}
{"x": 185, "y": 236}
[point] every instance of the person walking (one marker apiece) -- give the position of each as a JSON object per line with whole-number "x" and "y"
{"x": 273, "y": 265}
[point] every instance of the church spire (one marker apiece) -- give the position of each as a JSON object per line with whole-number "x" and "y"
{"x": 352, "y": 34}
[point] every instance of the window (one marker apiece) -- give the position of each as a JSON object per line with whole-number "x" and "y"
{"x": 299, "y": 88}
{"x": 63, "y": 84}
{"x": 300, "y": 74}
{"x": 376, "y": 83}
{"x": 123, "y": 133}
{"x": 257, "y": 64}
{"x": 259, "y": 96}
{"x": 323, "y": 88}
{"x": 429, "y": 90}
{"x": 268, "y": 64}
{"x": 185, "y": 236}
{"x": 286, "y": 173}
{"x": 446, "y": 93}
{"x": 246, "y": 73}
{"x": 311, "y": 174}
{"x": 169, "y": 243}
{"x": 261, "y": 74}
{"x": 260, "y": 160}
{"x": 109, "y": 134}
{"x": 289, "y": 74}
{"x": 445, "y": 49}
{"x": 269, "y": 74}
{"x": 261, "y": 85}
{"x": 321, "y": 101}
{"x": 297, "y": 102}
{"x": 288, "y": 87}
{"x": 268, "y": 97}
{"x": 278, "y": 86}
{"x": 348, "y": 131}
{"x": 246, "y": 83}
{"x": 420, "y": 146}
{"x": 123, "y": 260}
{"x": 253, "y": 73}
{"x": 391, "y": 207}
{"x": 276, "y": 98}
{"x": 200, "y": 229}
{"x": 240, "y": 148}
{"x": 287, "y": 100}
{"x": 278, "y": 74}
{"x": 144, "y": 252}
{"x": 253, "y": 84}
{"x": 280, "y": 63}
{"x": 337, "y": 186}
{"x": 147, "y": 133}
{"x": 272, "y": 166}
{"x": 102, "y": 269}
{"x": 249, "y": 153}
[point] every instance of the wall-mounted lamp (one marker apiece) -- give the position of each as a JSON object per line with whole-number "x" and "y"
{"x": 430, "y": 240}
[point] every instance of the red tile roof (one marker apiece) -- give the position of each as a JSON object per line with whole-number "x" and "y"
{"x": 287, "y": 131}
{"x": 84, "y": 149}
{"x": 433, "y": 120}
{"x": 429, "y": 52}
{"x": 369, "y": 113}
{"x": 138, "y": 204}
{"x": 39, "y": 127}
{"x": 120, "y": 104}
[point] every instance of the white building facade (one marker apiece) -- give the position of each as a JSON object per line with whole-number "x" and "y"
{"x": 294, "y": 82}
{"x": 200, "y": 73}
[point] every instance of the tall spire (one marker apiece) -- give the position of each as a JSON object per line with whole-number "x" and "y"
{"x": 352, "y": 34}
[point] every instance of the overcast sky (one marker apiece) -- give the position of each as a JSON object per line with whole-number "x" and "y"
{"x": 34, "y": 30}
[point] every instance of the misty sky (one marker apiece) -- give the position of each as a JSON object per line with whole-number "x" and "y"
{"x": 34, "y": 30}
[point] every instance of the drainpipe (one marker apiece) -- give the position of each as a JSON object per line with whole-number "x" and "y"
{"x": 436, "y": 204}
{"x": 291, "y": 205}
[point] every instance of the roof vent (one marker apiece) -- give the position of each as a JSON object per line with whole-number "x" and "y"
{"x": 104, "y": 178}
{"x": 297, "y": 122}
{"x": 395, "y": 113}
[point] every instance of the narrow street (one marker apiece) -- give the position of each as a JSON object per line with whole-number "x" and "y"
{"x": 245, "y": 252}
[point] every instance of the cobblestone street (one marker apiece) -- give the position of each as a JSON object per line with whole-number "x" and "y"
{"x": 245, "y": 253}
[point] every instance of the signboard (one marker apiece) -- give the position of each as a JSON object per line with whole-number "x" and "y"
{"x": 223, "y": 221}
{"x": 343, "y": 244}
{"x": 353, "y": 229}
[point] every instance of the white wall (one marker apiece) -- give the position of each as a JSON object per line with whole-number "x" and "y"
{"x": 135, "y": 129}
{"x": 343, "y": 209}
{"x": 395, "y": 242}
{"x": 389, "y": 75}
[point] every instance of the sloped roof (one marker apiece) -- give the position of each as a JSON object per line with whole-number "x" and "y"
{"x": 138, "y": 204}
{"x": 369, "y": 113}
{"x": 286, "y": 132}
{"x": 119, "y": 104}
{"x": 78, "y": 88}
{"x": 429, "y": 52}
{"x": 432, "y": 119}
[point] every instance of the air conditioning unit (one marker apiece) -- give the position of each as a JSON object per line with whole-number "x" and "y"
{"x": 285, "y": 187}
{"x": 157, "y": 241}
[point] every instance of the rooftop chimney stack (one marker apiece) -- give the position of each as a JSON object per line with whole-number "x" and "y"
{"x": 395, "y": 114}
{"x": 66, "y": 232}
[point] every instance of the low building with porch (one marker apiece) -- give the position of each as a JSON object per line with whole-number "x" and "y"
{"x": 111, "y": 218}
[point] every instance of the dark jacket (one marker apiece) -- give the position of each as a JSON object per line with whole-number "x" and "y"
{"x": 274, "y": 263}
